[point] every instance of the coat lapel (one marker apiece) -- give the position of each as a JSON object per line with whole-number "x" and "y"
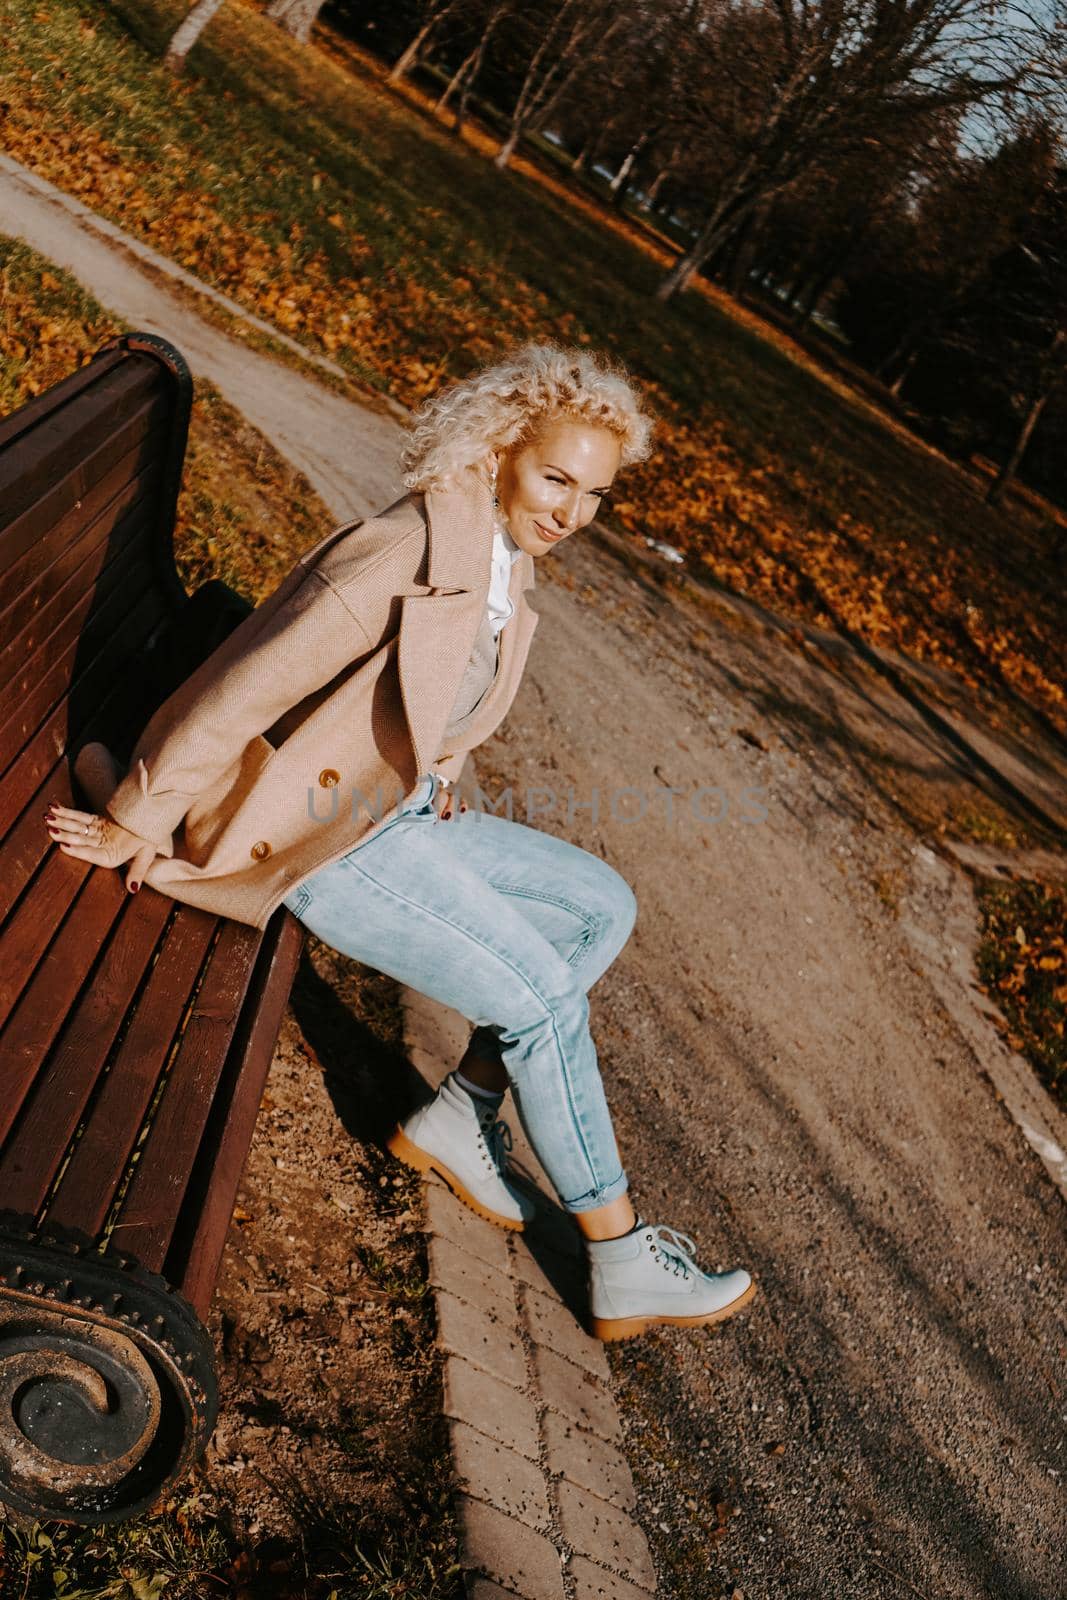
{"x": 437, "y": 630}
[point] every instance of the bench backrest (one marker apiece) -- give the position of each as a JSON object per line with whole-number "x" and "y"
{"x": 89, "y": 477}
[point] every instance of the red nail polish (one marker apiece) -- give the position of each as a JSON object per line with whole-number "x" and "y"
{"x": 134, "y": 887}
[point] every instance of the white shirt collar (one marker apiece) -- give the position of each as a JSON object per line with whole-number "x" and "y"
{"x": 505, "y": 553}
{"x": 501, "y": 537}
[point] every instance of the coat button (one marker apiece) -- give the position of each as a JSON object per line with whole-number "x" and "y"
{"x": 328, "y": 778}
{"x": 260, "y": 850}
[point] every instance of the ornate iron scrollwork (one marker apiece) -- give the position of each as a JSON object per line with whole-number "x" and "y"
{"x": 107, "y": 1380}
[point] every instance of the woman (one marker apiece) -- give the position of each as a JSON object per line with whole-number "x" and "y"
{"x": 393, "y": 648}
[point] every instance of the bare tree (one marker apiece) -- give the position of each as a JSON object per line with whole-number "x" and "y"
{"x": 626, "y": 89}
{"x": 435, "y": 15}
{"x": 487, "y": 22}
{"x": 188, "y": 32}
{"x": 296, "y": 16}
{"x": 572, "y": 25}
{"x": 969, "y": 210}
{"x": 1050, "y": 374}
{"x": 810, "y": 236}
{"x": 782, "y": 83}
{"x": 1028, "y": 290}
{"x": 594, "y": 60}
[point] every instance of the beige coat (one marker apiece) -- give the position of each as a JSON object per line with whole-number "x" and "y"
{"x": 301, "y": 734}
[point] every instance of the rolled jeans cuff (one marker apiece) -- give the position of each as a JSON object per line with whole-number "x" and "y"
{"x": 598, "y": 1197}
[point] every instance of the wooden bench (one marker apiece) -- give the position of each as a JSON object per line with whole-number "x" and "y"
{"x": 135, "y": 1032}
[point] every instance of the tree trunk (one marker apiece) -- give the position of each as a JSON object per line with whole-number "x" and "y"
{"x": 898, "y": 382}
{"x": 566, "y": 83}
{"x": 816, "y": 288}
{"x": 458, "y": 77}
{"x": 188, "y": 32}
{"x": 472, "y": 67}
{"x": 461, "y": 106}
{"x": 719, "y": 259}
{"x": 900, "y": 351}
{"x": 743, "y": 248}
{"x": 621, "y": 181}
{"x": 507, "y": 149}
{"x": 726, "y": 216}
{"x": 656, "y": 185}
{"x": 533, "y": 94}
{"x": 1011, "y": 466}
{"x": 581, "y": 160}
{"x": 407, "y": 59}
{"x": 593, "y": 145}
{"x": 295, "y": 16}
{"x": 1047, "y": 385}
{"x": 791, "y": 286}
{"x": 727, "y": 260}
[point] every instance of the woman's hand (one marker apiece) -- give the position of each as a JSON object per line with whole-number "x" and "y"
{"x": 446, "y": 805}
{"x": 90, "y": 837}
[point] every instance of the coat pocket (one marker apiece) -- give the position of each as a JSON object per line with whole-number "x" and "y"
{"x": 213, "y": 808}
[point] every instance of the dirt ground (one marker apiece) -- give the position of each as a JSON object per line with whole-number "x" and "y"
{"x": 330, "y": 1446}
{"x": 887, "y": 1417}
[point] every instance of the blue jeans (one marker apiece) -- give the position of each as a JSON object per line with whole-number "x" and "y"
{"x": 510, "y": 927}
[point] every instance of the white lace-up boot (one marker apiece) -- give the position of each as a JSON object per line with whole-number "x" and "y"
{"x": 466, "y": 1144}
{"x": 649, "y": 1278}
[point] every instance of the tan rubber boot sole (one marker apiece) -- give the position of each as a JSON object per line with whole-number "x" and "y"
{"x": 399, "y": 1145}
{"x": 608, "y": 1328}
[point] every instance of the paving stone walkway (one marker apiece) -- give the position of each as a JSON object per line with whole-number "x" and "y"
{"x": 545, "y": 1495}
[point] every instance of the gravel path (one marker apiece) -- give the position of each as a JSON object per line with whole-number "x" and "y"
{"x": 802, "y": 1070}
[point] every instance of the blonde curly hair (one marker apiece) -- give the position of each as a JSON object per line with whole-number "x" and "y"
{"x": 504, "y": 404}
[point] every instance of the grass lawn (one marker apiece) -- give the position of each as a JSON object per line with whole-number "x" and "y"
{"x": 1022, "y": 964}
{"x": 244, "y": 514}
{"x": 292, "y": 180}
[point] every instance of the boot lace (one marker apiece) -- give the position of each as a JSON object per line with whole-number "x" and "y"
{"x": 674, "y": 1250}
{"x": 500, "y": 1142}
{"x": 496, "y": 1140}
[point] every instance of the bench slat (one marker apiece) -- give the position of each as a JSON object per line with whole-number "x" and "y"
{"x": 60, "y": 1093}
{"x": 46, "y": 723}
{"x": 34, "y": 575}
{"x": 196, "y": 1248}
{"x": 56, "y": 449}
{"x": 57, "y": 974}
{"x": 87, "y": 1186}
{"x": 28, "y": 845}
{"x": 60, "y": 394}
{"x": 46, "y": 527}
{"x": 145, "y": 1220}
{"x": 74, "y": 614}
{"x": 87, "y": 567}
